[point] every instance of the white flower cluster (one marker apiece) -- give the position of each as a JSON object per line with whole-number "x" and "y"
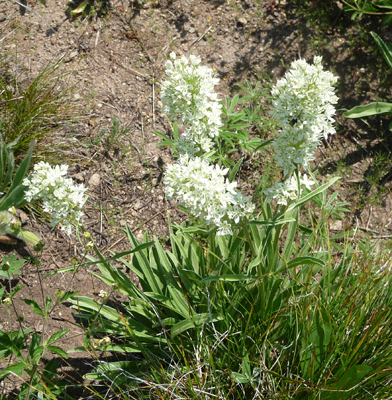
{"x": 282, "y": 193}
{"x": 203, "y": 189}
{"x": 188, "y": 96}
{"x": 60, "y": 196}
{"x": 303, "y": 108}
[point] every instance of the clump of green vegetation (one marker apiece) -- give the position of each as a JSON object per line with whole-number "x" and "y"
{"x": 88, "y": 8}
{"x": 32, "y": 108}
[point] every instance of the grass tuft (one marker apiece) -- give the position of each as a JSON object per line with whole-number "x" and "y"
{"x": 34, "y": 108}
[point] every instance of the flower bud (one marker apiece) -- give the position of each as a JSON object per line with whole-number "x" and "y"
{"x": 7, "y": 301}
{"x": 12, "y": 210}
{"x": 39, "y": 246}
{"x": 16, "y": 224}
{"x": 6, "y": 266}
{"x": 74, "y": 261}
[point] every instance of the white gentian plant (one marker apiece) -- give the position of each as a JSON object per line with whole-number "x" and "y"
{"x": 60, "y": 196}
{"x": 303, "y": 108}
{"x": 267, "y": 278}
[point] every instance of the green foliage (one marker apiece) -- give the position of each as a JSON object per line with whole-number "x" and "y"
{"x": 241, "y": 116}
{"x": 260, "y": 313}
{"x": 112, "y": 139}
{"x": 26, "y": 352}
{"x": 88, "y": 8}
{"x": 30, "y": 109}
{"x": 11, "y": 181}
{"x": 377, "y": 108}
{"x": 13, "y": 344}
{"x": 12, "y": 192}
{"x": 372, "y": 7}
{"x": 10, "y": 267}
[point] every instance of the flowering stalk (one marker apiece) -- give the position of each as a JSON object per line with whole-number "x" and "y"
{"x": 303, "y": 108}
{"x": 189, "y": 97}
{"x": 205, "y": 191}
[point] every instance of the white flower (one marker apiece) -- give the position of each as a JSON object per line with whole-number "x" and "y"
{"x": 59, "y": 195}
{"x": 103, "y": 294}
{"x": 205, "y": 191}
{"x": 105, "y": 341}
{"x": 282, "y": 193}
{"x": 188, "y": 96}
{"x": 303, "y": 108}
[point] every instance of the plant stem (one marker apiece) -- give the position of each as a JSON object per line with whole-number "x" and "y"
{"x": 33, "y": 371}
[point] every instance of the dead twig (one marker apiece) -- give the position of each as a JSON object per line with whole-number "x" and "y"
{"x": 199, "y": 38}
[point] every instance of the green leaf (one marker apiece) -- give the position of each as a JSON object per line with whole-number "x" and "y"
{"x": 36, "y": 307}
{"x": 193, "y": 322}
{"x": 352, "y": 377}
{"x": 235, "y": 169}
{"x": 239, "y": 378}
{"x": 24, "y": 235}
{"x": 16, "y": 290}
{"x": 62, "y": 270}
{"x": 50, "y": 370}
{"x": 14, "y": 198}
{"x": 16, "y": 369}
{"x": 312, "y": 194}
{"x": 58, "y": 350}
{"x": 272, "y": 222}
{"x": 11, "y": 345}
{"x": 383, "y": 4}
{"x": 225, "y": 278}
{"x": 68, "y": 295}
{"x": 22, "y": 170}
{"x": 37, "y": 354}
{"x": 305, "y": 260}
{"x": 35, "y": 342}
{"x": 231, "y": 105}
{"x": 80, "y": 8}
{"x": 386, "y": 48}
{"x": 387, "y": 20}
{"x": 167, "y": 141}
{"x": 6, "y": 161}
{"x": 175, "y": 131}
{"x": 377, "y": 108}
{"x": 370, "y": 9}
{"x": 115, "y": 370}
{"x": 56, "y": 336}
{"x": 266, "y": 143}
{"x": 48, "y": 302}
{"x": 116, "y": 256}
